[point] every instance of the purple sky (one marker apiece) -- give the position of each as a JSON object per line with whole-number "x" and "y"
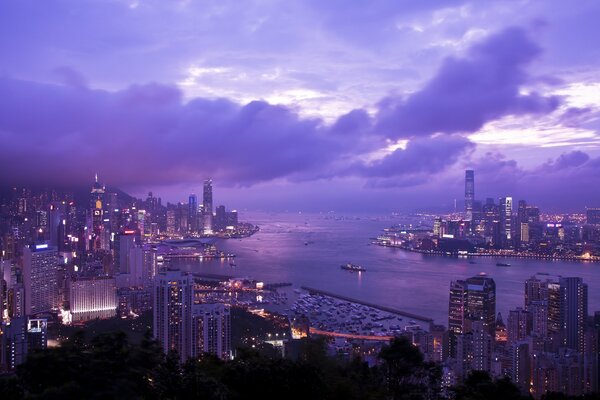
{"x": 305, "y": 105}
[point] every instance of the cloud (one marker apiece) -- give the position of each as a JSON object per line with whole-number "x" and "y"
{"x": 468, "y": 92}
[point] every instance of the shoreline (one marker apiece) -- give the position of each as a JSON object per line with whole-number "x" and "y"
{"x": 469, "y": 255}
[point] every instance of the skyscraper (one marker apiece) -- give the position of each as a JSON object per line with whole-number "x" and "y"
{"x": 471, "y": 301}
{"x": 192, "y": 213}
{"x": 573, "y": 312}
{"x": 40, "y": 279}
{"x": 207, "y": 206}
{"x": 506, "y": 205}
{"x": 469, "y": 193}
{"x": 173, "y": 301}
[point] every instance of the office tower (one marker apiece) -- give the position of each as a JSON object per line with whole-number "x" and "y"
{"x": 472, "y": 300}
{"x": 518, "y": 325}
{"x": 124, "y": 242}
{"x": 92, "y": 297}
{"x": 593, "y": 216}
{"x": 96, "y": 216}
{"x": 54, "y": 222}
{"x": 20, "y": 336}
{"x": 220, "y": 220}
{"x": 207, "y": 207}
{"x": 40, "y": 278}
{"x": 469, "y": 193}
{"x": 506, "y": 204}
{"x": 457, "y": 305}
{"x": 573, "y": 312}
{"x": 211, "y": 330}
{"x": 173, "y": 301}
{"x": 192, "y": 213}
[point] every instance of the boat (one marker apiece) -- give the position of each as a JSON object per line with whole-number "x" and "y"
{"x": 352, "y": 267}
{"x": 501, "y": 264}
{"x": 232, "y": 264}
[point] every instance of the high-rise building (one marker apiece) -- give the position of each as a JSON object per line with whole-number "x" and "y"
{"x": 211, "y": 330}
{"x": 573, "y": 312}
{"x": 471, "y": 301}
{"x": 192, "y": 213}
{"x": 124, "y": 242}
{"x": 207, "y": 207}
{"x": 469, "y": 193}
{"x": 173, "y": 301}
{"x": 40, "y": 278}
{"x": 506, "y": 205}
{"x": 92, "y": 297}
{"x": 539, "y": 318}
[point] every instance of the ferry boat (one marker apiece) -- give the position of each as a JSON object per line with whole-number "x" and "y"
{"x": 352, "y": 267}
{"x": 501, "y": 264}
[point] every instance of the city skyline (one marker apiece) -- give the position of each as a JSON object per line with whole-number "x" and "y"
{"x": 293, "y": 110}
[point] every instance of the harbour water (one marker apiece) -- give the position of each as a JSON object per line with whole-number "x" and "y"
{"x": 308, "y": 249}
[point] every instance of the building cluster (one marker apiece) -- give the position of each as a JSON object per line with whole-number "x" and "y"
{"x": 186, "y": 326}
{"x": 548, "y": 345}
{"x": 65, "y": 259}
{"x": 507, "y": 226}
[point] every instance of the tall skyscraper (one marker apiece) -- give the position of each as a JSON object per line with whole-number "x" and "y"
{"x": 173, "y": 301}
{"x": 469, "y": 193}
{"x": 211, "y": 330}
{"x": 207, "y": 207}
{"x": 573, "y": 312}
{"x": 192, "y": 213}
{"x": 506, "y": 206}
{"x": 124, "y": 242}
{"x": 40, "y": 278}
{"x": 471, "y": 301}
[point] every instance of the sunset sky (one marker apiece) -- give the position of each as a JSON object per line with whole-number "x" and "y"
{"x": 305, "y": 105}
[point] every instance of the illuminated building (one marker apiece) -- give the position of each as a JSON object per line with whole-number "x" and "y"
{"x": 173, "y": 301}
{"x": 92, "y": 297}
{"x": 40, "y": 278}
{"x": 96, "y": 216}
{"x": 192, "y": 213}
{"x": 472, "y": 300}
{"x": 469, "y": 193}
{"x": 573, "y": 312}
{"x": 20, "y": 336}
{"x": 207, "y": 207}
{"x": 211, "y": 331}
{"x": 506, "y": 205}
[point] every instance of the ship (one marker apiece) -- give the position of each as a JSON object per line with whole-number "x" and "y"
{"x": 352, "y": 267}
{"x": 501, "y": 264}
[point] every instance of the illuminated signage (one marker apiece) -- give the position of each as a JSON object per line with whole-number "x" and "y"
{"x": 41, "y": 246}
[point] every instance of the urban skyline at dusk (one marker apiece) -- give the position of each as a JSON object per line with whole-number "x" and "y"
{"x": 267, "y": 199}
{"x": 293, "y": 102}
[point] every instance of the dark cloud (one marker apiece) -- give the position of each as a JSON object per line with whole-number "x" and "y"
{"x": 422, "y": 155}
{"x": 468, "y": 92}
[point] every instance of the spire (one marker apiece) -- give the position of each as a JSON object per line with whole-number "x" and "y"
{"x": 96, "y": 176}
